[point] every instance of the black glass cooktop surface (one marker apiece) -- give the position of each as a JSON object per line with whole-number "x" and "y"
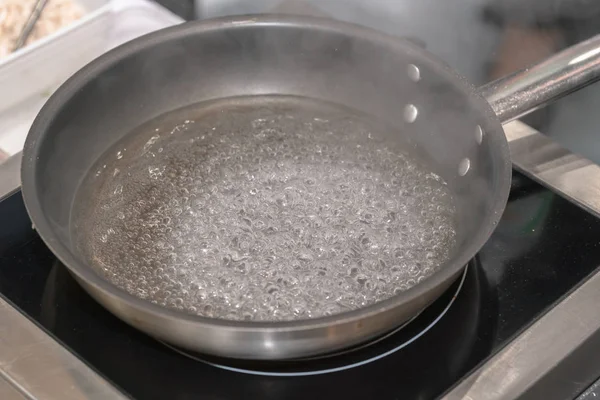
{"x": 542, "y": 249}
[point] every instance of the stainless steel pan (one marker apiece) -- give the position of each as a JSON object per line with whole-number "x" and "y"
{"x": 450, "y": 122}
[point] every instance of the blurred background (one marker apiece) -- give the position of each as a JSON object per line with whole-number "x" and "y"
{"x": 481, "y": 39}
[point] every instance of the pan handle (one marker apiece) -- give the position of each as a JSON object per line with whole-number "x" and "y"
{"x": 532, "y": 88}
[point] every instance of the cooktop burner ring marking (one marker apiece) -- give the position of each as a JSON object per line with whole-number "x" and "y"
{"x": 360, "y": 346}
{"x": 342, "y": 368}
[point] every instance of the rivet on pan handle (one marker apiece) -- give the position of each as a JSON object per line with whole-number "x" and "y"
{"x": 532, "y": 88}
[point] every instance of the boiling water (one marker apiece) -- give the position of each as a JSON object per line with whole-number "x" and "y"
{"x": 263, "y": 209}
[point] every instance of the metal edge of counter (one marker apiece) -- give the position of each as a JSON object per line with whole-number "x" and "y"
{"x": 10, "y": 175}
{"x": 551, "y": 359}
{"x": 33, "y": 365}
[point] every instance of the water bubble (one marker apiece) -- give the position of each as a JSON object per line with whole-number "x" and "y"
{"x": 272, "y": 289}
{"x": 361, "y": 279}
{"x": 241, "y": 268}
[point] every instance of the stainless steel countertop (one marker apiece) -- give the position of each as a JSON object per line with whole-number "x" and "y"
{"x": 551, "y": 359}
{"x": 35, "y": 366}
{"x": 10, "y": 175}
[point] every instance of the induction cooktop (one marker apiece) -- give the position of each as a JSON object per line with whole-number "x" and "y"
{"x": 543, "y": 247}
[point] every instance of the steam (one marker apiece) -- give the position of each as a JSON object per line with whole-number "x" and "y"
{"x": 452, "y": 30}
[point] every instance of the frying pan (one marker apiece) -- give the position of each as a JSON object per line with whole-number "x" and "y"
{"x": 439, "y": 114}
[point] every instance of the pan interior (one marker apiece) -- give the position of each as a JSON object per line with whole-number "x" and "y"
{"x": 264, "y": 208}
